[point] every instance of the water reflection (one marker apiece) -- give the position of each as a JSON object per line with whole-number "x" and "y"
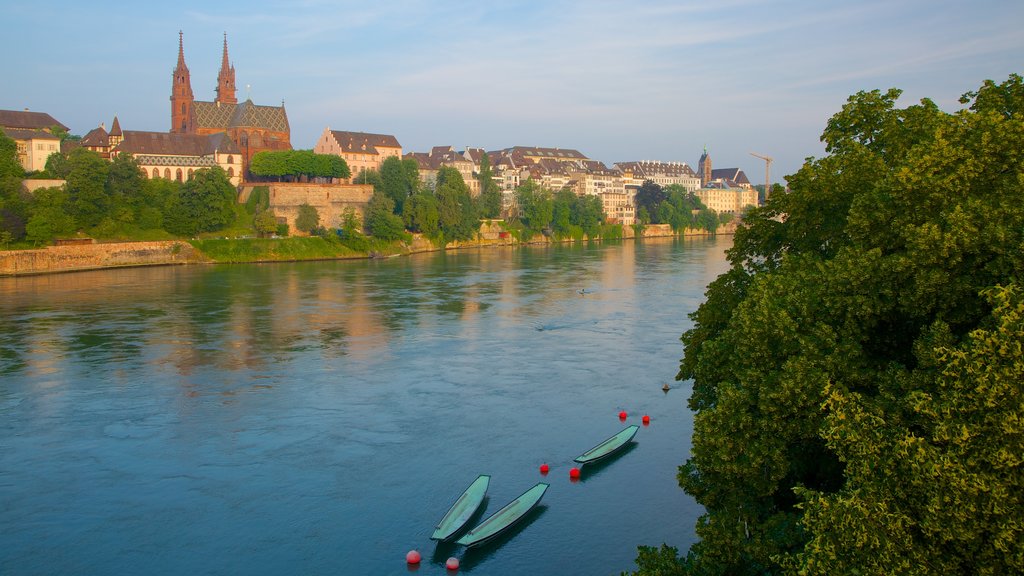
{"x": 242, "y": 317}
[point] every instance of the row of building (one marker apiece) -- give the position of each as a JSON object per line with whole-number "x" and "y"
{"x": 227, "y": 133}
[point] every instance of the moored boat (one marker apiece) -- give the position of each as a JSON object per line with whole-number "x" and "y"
{"x": 608, "y": 447}
{"x": 504, "y": 518}
{"x": 462, "y": 510}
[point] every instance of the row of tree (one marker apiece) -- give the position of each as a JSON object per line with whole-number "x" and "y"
{"x": 294, "y": 164}
{"x": 109, "y": 199}
{"x": 858, "y": 374}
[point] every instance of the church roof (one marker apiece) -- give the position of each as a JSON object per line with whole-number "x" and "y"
{"x": 28, "y": 120}
{"x": 138, "y": 142}
{"x": 223, "y": 115}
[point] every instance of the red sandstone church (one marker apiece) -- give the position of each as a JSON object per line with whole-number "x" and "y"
{"x": 252, "y": 128}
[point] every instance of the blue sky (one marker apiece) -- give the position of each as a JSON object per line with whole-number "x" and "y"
{"x": 639, "y": 80}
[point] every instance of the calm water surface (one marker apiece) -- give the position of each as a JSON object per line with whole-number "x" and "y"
{"x": 319, "y": 418}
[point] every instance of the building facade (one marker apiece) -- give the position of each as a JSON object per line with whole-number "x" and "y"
{"x": 33, "y": 136}
{"x": 360, "y": 150}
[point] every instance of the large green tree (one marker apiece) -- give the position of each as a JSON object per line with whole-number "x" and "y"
{"x": 381, "y": 220}
{"x": 649, "y": 197}
{"x": 86, "y": 187}
{"x": 457, "y": 212}
{"x": 857, "y": 373}
{"x": 397, "y": 181}
{"x": 535, "y": 207}
{"x": 203, "y": 204}
{"x": 490, "y": 193}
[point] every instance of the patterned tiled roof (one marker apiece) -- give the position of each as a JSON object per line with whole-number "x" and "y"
{"x": 246, "y": 114}
{"x": 28, "y": 120}
{"x": 138, "y": 143}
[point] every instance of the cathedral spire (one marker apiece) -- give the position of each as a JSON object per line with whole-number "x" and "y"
{"x": 226, "y": 78}
{"x": 182, "y": 114}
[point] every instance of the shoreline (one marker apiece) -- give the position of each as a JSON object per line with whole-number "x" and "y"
{"x": 113, "y": 255}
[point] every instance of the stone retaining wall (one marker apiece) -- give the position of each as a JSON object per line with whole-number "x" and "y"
{"x": 93, "y": 256}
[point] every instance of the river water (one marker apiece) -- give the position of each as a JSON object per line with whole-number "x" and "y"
{"x": 320, "y": 417}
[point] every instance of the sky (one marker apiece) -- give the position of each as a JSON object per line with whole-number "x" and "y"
{"x": 618, "y": 81}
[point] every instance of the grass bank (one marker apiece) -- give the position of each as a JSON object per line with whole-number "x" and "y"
{"x": 273, "y": 249}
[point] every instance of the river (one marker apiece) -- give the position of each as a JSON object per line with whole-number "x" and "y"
{"x": 320, "y": 417}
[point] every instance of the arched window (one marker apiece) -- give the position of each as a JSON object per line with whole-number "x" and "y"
{"x": 156, "y": 172}
{"x": 167, "y": 173}
{"x": 189, "y": 173}
{"x": 178, "y": 175}
{"x": 231, "y": 172}
{"x": 145, "y": 174}
{"x": 231, "y": 159}
{"x": 182, "y": 107}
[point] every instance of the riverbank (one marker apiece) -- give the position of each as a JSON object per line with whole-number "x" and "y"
{"x": 59, "y": 259}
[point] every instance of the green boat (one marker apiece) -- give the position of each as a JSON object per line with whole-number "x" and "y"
{"x": 504, "y": 518}
{"x": 608, "y": 447}
{"x": 463, "y": 509}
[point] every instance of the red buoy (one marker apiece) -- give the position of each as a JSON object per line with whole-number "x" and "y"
{"x": 574, "y": 473}
{"x": 544, "y": 468}
{"x": 412, "y": 557}
{"x": 452, "y": 563}
{"x": 622, "y": 415}
{"x": 646, "y": 419}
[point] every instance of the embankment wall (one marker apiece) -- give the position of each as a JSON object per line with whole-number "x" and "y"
{"x": 93, "y": 256}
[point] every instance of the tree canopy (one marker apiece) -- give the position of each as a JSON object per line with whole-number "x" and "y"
{"x": 857, "y": 373}
{"x": 292, "y": 164}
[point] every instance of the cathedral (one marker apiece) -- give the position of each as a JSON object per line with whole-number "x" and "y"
{"x": 251, "y": 127}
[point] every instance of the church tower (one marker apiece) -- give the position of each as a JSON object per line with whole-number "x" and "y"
{"x": 183, "y": 118}
{"x": 226, "y": 78}
{"x": 704, "y": 168}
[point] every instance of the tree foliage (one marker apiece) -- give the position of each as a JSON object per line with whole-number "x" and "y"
{"x": 399, "y": 179}
{"x": 490, "y": 193}
{"x": 649, "y": 197}
{"x": 857, "y": 372}
{"x": 291, "y": 164}
{"x": 307, "y": 219}
{"x": 536, "y": 207}
{"x": 86, "y": 187}
{"x": 381, "y": 220}
{"x": 203, "y": 204}
{"x": 457, "y": 213}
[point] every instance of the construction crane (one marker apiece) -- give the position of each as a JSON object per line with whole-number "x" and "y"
{"x": 767, "y": 173}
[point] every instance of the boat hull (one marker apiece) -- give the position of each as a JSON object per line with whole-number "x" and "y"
{"x": 462, "y": 510}
{"x": 505, "y": 518}
{"x": 608, "y": 447}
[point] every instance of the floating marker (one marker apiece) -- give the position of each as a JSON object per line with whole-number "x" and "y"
{"x": 452, "y": 563}
{"x": 646, "y": 419}
{"x": 412, "y": 557}
{"x": 544, "y": 468}
{"x": 622, "y": 415}
{"x": 574, "y": 473}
